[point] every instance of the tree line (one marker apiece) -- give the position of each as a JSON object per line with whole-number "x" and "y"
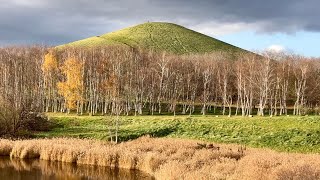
{"x": 121, "y": 80}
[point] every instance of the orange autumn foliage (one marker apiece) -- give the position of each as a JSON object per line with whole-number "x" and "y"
{"x": 71, "y": 88}
{"x": 111, "y": 85}
{"x": 50, "y": 63}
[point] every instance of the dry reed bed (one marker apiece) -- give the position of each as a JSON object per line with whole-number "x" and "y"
{"x": 171, "y": 158}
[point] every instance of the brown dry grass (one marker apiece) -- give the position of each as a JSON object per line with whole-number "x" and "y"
{"x": 171, "y": 158}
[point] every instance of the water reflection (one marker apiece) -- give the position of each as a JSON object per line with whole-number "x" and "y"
{"x": 16, "y": 169}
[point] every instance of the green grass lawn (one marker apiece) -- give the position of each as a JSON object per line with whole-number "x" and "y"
{"x": 292, "y": 134}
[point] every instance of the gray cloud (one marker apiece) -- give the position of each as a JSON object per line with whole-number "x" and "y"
{"x": 59, "y": 21}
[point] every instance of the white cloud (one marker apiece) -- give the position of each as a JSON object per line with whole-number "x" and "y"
{"x": 276, "y": 48}
{"x": 28, "y": 3}
{"x": 217, "y": 29}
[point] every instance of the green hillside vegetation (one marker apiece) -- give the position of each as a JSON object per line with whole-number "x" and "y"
{"x": 159, "y": 36}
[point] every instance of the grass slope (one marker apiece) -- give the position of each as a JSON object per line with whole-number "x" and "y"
{"x": 159, "y": 37}
{"x": 293, "y": 134}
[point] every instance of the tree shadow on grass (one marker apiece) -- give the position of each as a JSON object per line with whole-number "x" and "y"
{"x": 162, "y": 132}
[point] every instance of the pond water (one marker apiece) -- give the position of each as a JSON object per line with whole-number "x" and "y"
{"x": 17, "y": 169}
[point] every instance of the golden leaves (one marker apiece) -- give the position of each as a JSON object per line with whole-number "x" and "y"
{"x": 50, "y": 63}
{"x": 71, "y": 88}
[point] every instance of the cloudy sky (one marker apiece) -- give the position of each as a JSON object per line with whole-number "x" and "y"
{"x": 290, "y": 25}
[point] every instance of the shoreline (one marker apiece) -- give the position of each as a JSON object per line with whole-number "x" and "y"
{"x": 12, "y": 168}
{"x": 170, "y": 158}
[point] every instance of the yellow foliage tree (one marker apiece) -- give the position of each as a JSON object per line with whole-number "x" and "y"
{"x": 71, "y": 88}
{"x": 50, "y": 68}
{"x": 50, "y": 63}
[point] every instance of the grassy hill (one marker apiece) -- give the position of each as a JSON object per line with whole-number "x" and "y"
{"x": 159, "y": 36}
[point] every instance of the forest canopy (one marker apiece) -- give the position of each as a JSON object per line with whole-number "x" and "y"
{"x": 103, "y": 79}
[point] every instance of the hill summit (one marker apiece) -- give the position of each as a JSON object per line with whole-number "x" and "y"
{"x": 159, "y": 36}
